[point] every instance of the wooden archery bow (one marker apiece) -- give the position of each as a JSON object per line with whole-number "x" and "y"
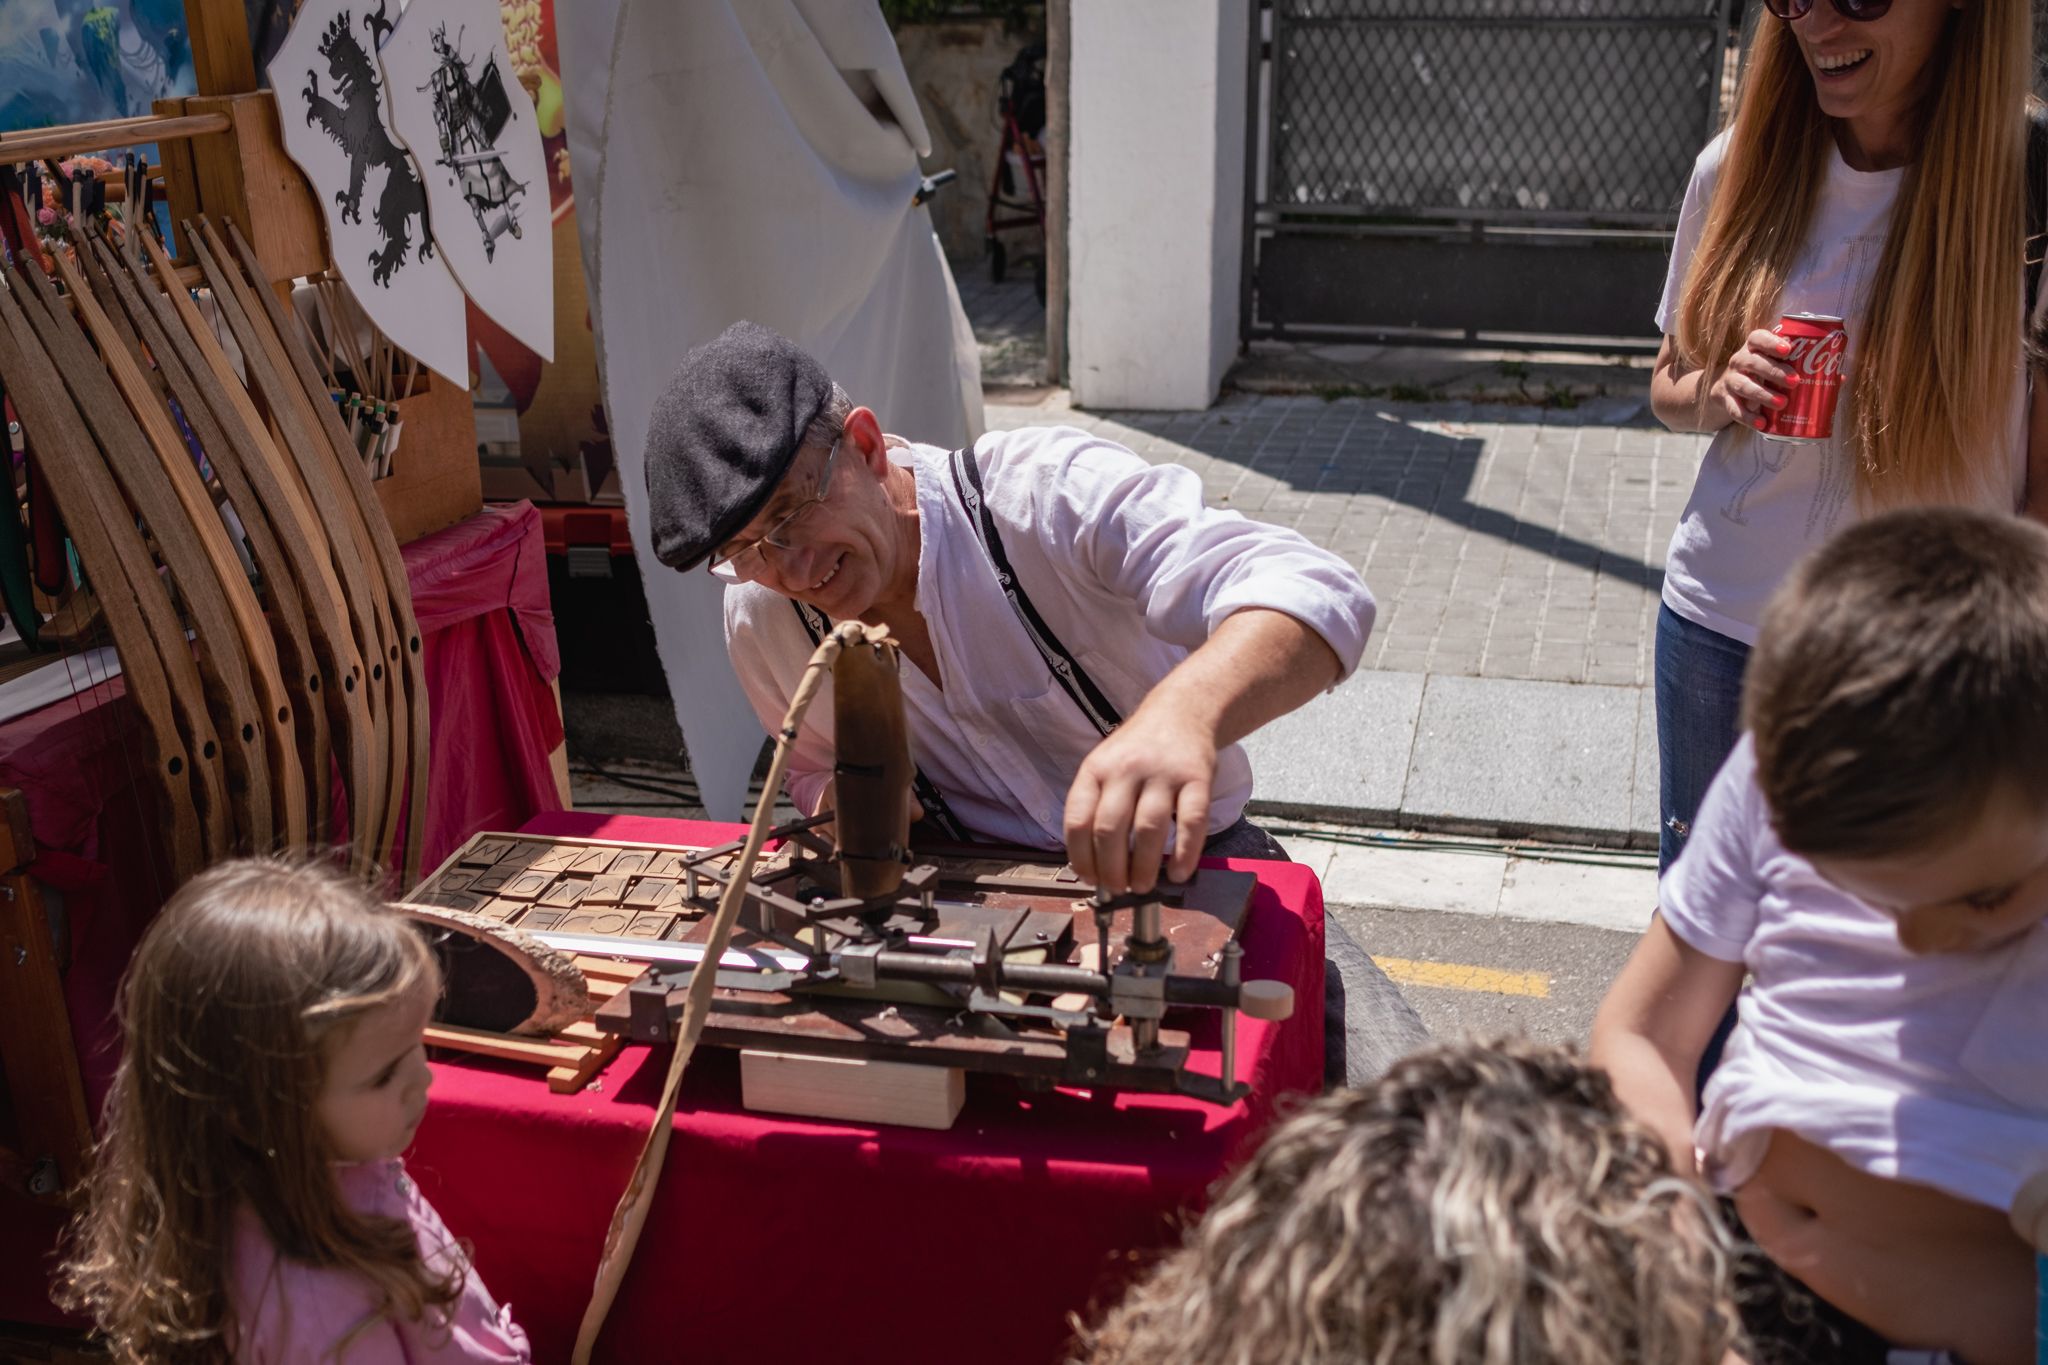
{"x": 183, "y": 752}
{"x": 333, "y": 623}
{"x": 370, "y": 519}
{"x": 372, "y": 827}
{"x": 113, "y": 396}
{"x": 287, "y": 614}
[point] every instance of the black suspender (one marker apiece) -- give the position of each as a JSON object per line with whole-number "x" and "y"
{"x": 1094, "y": 705}
{"x": 1101, "y": 713}
{"x": 937, "y": 814}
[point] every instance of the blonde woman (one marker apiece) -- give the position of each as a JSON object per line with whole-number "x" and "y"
{"x": 1874, "y": 171}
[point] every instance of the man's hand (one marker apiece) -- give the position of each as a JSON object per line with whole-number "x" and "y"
{"x": 1156, "y": 770}
{"x": 1151, "y": 776}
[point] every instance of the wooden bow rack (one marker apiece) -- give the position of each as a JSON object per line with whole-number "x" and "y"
{"x": 256, "y": 677}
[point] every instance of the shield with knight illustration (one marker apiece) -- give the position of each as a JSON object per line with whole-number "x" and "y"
{"x": 478, "y": 144}
{"x": 332, "y": 108}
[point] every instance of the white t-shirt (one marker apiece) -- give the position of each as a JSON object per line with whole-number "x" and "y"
{"x": 1125, "y": 564}
{"x": 1759, "y": 505}
{"x": 1932, "y": 1069}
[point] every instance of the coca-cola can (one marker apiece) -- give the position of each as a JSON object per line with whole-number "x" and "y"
{"x": 1819, "y": 342}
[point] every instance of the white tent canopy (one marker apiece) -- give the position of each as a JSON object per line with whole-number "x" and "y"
{"x": 752, "y": 159}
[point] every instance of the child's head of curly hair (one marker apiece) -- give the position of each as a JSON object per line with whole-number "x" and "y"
{"x": 1478, "y": 1205}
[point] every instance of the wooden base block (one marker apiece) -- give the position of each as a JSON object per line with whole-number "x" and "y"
{"x": 853, "y": 1089}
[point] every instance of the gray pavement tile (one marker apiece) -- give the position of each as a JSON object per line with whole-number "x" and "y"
{"x": 1513, "y": 757}
{"x": 1643, "y": 805}
{"x": 1344, "y": 753}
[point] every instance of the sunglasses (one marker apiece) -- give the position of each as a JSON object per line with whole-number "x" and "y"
{"x": 1862, "y": 11}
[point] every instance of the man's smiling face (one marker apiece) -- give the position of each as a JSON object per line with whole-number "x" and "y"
{"x": 841, "y": 552}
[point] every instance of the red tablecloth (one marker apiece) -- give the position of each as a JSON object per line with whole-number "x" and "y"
{"x": 774, "y": 1238}
{"x": 480, "y": 591}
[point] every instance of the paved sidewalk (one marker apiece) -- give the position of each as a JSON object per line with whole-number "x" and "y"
{"x": 1516, "y": 554}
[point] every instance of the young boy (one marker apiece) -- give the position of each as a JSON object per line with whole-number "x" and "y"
{"x": 1874, "y": 856}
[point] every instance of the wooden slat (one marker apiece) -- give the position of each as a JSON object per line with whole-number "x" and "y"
{"x": 505, "y": 1045}
{"x": 223, "y": 62}
{"x": 184, "y": 761}
{"x": 406, "y": 657}
{"x": 361, "y": 590}
{"x": 45, "y": 143}
{"x": 335, "y": 626}
{"x": 306, "y": 800}
{"x": 146, "y": 456}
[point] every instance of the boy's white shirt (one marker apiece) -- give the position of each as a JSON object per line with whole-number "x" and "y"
{"x": 1932, "y": 1069}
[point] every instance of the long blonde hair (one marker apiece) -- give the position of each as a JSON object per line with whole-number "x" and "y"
{"x": 1475, "y": 1206}
{"x": 235, "y": 998}
{"x": 1939, "y": 349}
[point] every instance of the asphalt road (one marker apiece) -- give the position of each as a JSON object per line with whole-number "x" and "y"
{"x": 1480, "y": 976}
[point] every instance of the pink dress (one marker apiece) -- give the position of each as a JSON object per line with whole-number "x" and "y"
{"x": 287, "y": 1311}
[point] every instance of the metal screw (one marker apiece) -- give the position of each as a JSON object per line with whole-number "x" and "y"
{"x": 20, "y": 955}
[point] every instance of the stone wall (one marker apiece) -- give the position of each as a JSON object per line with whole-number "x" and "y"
{"x": 954, "y": 65}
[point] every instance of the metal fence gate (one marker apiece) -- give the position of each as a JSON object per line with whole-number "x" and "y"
{"x": 1473, "y": 170}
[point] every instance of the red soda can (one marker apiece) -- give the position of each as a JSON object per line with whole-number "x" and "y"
{"x": 1819, "y": 342}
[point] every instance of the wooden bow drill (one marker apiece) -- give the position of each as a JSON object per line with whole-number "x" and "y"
{"x": 631, "y": 1214}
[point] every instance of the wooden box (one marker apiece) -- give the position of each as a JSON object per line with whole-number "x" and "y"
{"x": 434, "y": 480}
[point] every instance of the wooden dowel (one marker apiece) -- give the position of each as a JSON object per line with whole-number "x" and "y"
{"x": 71, "y": 141}
{"x": 91, "y": 126}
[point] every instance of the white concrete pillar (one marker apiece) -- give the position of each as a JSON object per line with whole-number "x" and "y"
{"x": 1155, "y": 226}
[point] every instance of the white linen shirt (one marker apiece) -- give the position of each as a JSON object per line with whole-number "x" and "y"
{"x": 1932, "y": 1068}
{"x": 1129, "y": 570}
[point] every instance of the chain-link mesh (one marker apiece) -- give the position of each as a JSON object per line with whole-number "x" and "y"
{"x": 1564, "y": 111}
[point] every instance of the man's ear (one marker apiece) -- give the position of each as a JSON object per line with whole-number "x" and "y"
{"x": 864, "y": 433}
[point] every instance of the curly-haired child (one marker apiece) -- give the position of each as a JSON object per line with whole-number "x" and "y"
{"x": 1477, "y": 1205}
{"x": 247, "y": 1201}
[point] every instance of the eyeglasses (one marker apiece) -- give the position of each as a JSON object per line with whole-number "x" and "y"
{"x": 1862, "y": 11}
{"x": 750, "y": 561}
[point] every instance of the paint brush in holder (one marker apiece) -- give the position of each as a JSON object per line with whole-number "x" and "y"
{"x": 361, "y": 368}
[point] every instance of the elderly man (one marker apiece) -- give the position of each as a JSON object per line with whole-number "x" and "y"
{"x": 1086, "y": 640}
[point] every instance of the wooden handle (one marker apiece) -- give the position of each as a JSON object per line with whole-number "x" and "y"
{"x": 1266, "y": 1000}
{"x": 37, "y": 144}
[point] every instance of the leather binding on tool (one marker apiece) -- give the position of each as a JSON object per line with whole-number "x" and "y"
{"x": 872, "y": 774}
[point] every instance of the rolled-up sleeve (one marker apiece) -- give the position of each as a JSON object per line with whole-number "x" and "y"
{"x": 1143, "y": 534}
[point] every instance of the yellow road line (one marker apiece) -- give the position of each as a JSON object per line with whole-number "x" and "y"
{"x": 1454, "y": 976}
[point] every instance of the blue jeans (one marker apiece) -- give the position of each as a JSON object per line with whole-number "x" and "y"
{"x": 1699, "y": 717}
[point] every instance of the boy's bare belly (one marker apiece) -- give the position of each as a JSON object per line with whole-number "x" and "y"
{"x": 1922, "y": 1267}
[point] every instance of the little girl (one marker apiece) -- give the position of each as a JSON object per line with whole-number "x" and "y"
{"x": 248, "y": 1202}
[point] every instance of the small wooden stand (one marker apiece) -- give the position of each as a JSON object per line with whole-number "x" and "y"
{"x": 852, "y": 1089}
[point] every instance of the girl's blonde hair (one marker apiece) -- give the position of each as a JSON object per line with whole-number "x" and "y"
{"x": 1475, "y": 1206}
{"x": 1940, "y": 348}
{"x": 231, "y": 1007}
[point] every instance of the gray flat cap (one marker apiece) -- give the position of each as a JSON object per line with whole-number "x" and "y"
{"x": 722, "y": 435}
